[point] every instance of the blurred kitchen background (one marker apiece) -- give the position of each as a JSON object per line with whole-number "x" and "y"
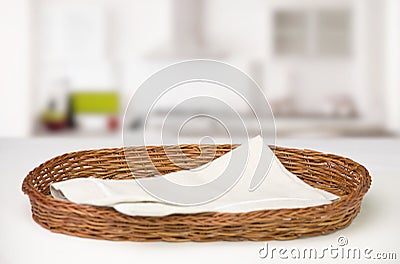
{"x": 328, "y": 68}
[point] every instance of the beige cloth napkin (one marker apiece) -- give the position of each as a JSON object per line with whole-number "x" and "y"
{"x": 279, "y": 189}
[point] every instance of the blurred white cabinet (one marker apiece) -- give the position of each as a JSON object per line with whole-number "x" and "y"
{"x": 72, "y": 31}
{"x": 15, "y": 68}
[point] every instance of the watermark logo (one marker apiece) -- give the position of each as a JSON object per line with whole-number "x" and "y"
{"x": 342, "y": 241}
{"x": 340, "y": 250}
{"x": 204, "y": 93}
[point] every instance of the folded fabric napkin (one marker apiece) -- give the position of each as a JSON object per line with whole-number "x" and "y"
{"x": 253, "y": 191}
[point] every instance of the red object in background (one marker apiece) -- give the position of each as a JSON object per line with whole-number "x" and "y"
{"x": 112, "y": 123}
{"x": 55, "y": 126}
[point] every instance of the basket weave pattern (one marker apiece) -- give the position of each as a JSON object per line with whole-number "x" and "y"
{"x": 338, "y": 175}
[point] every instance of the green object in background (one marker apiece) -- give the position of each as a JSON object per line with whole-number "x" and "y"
{"x": 95, "y": 102}
{"x": 53, "y": 116}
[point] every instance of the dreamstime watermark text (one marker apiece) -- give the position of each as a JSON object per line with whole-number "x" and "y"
{"x": 341, "y": 250}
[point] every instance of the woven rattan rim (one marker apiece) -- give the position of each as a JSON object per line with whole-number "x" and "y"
{"x": 332, "y": 173}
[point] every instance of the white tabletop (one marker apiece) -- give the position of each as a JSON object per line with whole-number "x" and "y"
{"x": 376, "y": 228}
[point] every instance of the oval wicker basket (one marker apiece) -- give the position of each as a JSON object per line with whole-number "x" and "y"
{"x": 332, "y": 173}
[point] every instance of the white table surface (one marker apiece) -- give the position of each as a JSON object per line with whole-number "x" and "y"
{"x": 24, "y": 241}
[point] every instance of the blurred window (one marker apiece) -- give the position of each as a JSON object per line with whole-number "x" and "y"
{"x": 315, "y": 32}
{"x": 290, "y": 32}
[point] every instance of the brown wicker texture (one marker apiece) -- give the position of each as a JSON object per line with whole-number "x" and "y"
{"x": 332, "y": 173}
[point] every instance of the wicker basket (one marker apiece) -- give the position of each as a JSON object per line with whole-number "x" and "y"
{"x": 332, "y": 173}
